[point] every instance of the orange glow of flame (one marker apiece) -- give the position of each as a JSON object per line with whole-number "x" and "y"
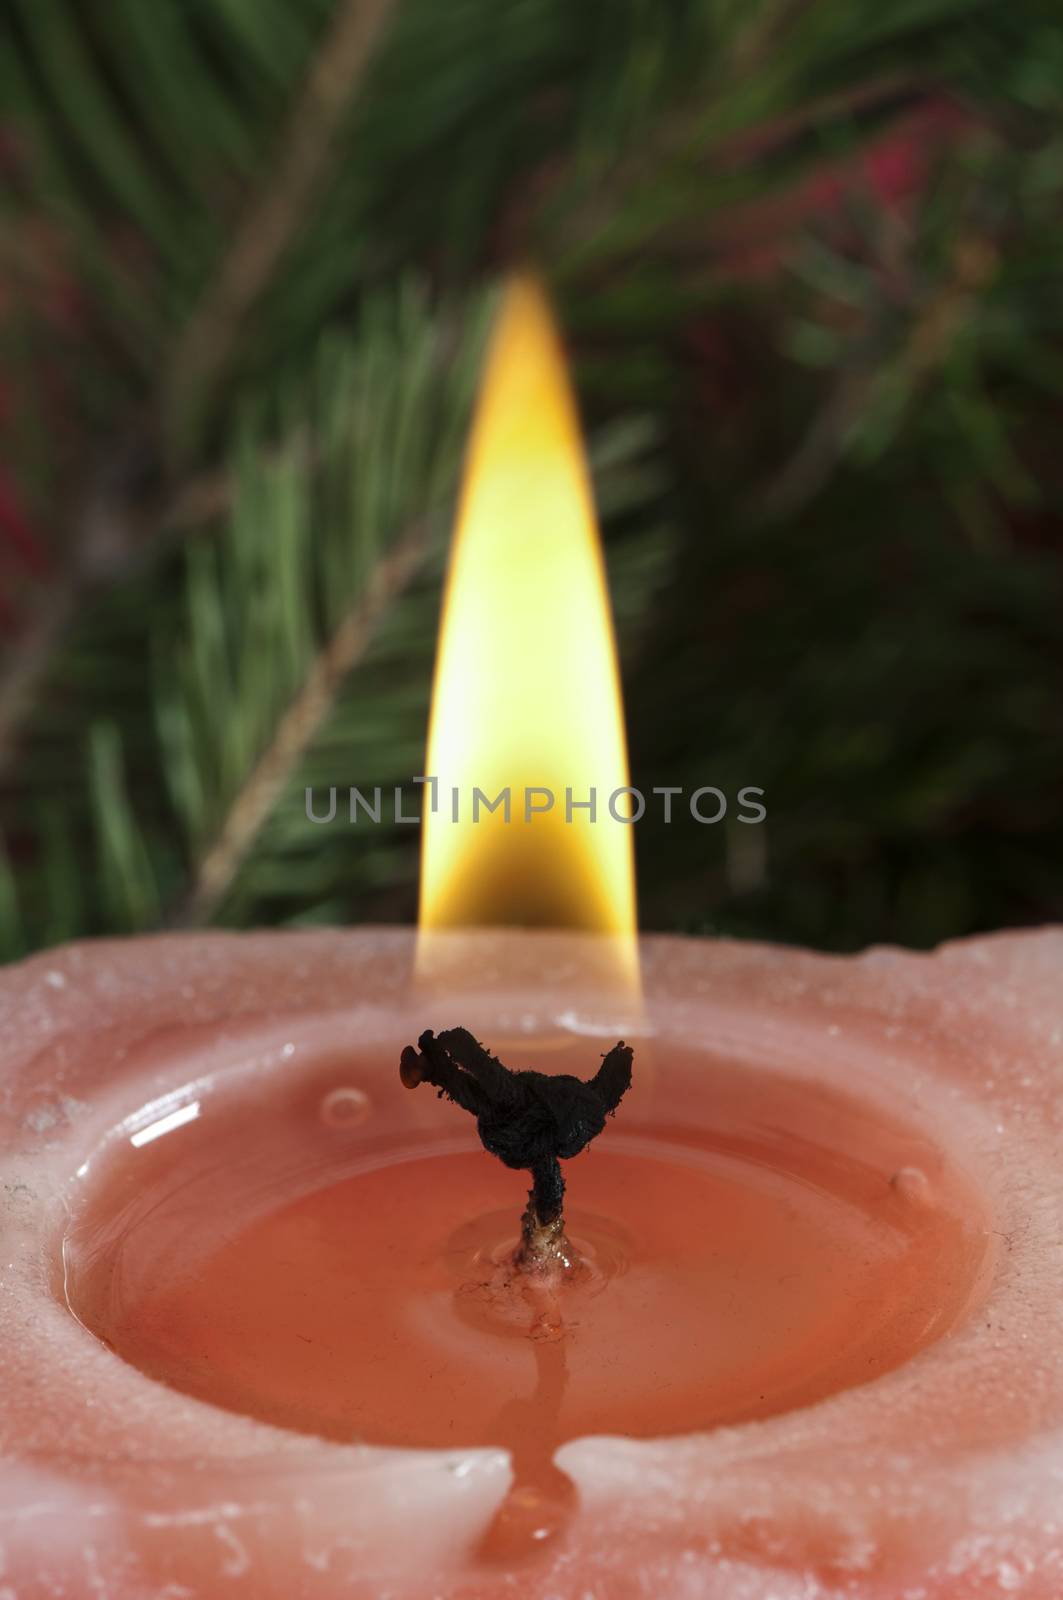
{"x": 527, "y": 692}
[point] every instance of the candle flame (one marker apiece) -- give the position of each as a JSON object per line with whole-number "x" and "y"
{"x": 527, "y": 693}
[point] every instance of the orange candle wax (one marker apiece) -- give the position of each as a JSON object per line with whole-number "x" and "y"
{"x": 258, "y": 1338}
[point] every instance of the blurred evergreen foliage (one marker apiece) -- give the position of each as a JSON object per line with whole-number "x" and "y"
{"x": 810, "y": 260}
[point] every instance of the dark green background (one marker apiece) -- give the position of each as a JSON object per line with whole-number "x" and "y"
{"x": 808, "y": 260}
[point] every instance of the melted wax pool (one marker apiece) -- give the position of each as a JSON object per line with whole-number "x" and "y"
{"x": 326, "y": 1256}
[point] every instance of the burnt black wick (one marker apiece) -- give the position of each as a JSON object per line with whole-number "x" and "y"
{"x": 532, "y": 1120}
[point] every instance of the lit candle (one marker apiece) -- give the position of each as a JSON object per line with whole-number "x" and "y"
{"x": 263, "y": 1333}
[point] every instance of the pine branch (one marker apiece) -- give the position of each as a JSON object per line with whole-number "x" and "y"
{"x": 733, "y": 149}
{"x": 289, "y": 188}
{"x": 298, "y": 645}
{"x": 114, "y": 524}
{"x": 376, "y": 731}
{"x": 97, "y": 559}
{"x": 283, "y": 606}
{"x": 648, "y": 153}
{"x": 297, "y": 729}
{"x": 896, "y": 352}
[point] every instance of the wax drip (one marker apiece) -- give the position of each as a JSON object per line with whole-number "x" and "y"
{"x": 529, "y": 1120}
